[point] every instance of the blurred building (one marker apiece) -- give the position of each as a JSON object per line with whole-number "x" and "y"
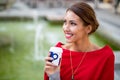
{"x": 45, "y": 3}
{"x": 4, "y": 4}
{"x": 56, "y": 3}
{"x": 50, "y": 3}
{"x": 107, "y": 1}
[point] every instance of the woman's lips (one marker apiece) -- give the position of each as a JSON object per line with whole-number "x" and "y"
{"x": 68, "y": 35}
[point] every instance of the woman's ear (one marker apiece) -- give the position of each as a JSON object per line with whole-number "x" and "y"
{"x": 88, "y": 29}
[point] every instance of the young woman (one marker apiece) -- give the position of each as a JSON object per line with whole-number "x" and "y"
{"x": 81, "y": 59}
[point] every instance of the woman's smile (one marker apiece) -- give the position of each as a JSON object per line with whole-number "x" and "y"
{"x": 68, "y": 35}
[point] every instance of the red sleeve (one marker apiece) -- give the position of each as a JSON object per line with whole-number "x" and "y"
{"x": 46, "y": 76}
{"x": 108, "y": 72}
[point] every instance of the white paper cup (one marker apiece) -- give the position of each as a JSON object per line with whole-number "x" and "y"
{"x": 56, "y": 53}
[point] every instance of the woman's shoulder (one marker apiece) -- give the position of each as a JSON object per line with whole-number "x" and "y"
{"x": 59, "y": 44}
{"x": 108, "y": 50}
{"x": 105, "y": 50}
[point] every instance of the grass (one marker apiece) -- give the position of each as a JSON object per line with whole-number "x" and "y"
{"x": 17, "y": 60}
{"x": 18, "y": 63}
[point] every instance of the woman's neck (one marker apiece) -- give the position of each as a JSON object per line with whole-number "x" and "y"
{"x": 81, "y": 46}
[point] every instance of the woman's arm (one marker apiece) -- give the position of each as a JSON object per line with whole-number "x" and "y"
{"x": 108, "y": 71}
{"x": 55, "y": 76}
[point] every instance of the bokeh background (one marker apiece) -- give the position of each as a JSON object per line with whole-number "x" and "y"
{"x": 28, "y": 28}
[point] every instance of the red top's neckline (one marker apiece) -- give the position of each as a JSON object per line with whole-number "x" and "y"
{"x": 106, "y": 47}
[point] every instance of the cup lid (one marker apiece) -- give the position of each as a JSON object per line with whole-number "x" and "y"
{"x": 56, "y": 49}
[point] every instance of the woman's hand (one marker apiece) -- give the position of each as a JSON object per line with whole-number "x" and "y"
{"x": 50, "y": 68}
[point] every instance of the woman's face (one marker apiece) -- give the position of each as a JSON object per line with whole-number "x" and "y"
{"x": 73, "y": 27}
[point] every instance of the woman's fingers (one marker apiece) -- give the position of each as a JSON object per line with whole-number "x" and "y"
{"x": 47, "y": 61}
{"x": 50, "y": 68}
{"x": 48, "y": 58}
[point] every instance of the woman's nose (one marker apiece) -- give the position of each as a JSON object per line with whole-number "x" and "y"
{"x": 66, "y": 27}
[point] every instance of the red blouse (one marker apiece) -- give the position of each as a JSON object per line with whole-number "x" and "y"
{"x": 97, "y": 65}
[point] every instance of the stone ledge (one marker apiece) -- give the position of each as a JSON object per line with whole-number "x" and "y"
{"x": 106, "y": 33}
{"x": 117, "y": 58}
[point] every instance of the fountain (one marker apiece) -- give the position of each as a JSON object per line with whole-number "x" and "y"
{"x": 39, "y": 36}
{"x": 38, "y": 45}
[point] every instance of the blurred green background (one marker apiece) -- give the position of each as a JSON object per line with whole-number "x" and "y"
{"x": 17, "y": 61}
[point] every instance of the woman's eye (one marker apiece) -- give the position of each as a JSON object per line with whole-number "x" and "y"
{"x": 64, "y": 21}
{"x": 73, "y": 24}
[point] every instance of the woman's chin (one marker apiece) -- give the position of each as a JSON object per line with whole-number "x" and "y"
{"x": 69, "y": 41}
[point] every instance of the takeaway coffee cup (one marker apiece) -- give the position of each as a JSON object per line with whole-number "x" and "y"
{"x": 55, "y": 53}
